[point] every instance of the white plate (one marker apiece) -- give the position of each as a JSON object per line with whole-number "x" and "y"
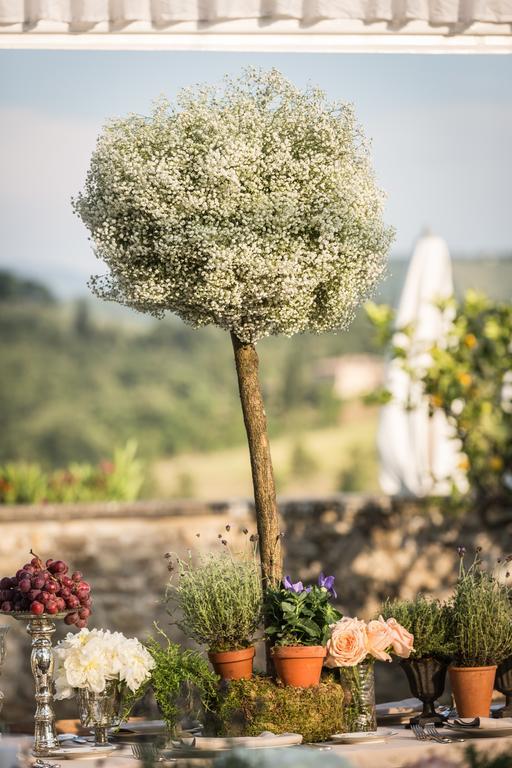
{"x": 225, "y": 744}
{"x": 480, "y": 733}
{"x": 80, "y": 752}
{"x": 362, "y": 737}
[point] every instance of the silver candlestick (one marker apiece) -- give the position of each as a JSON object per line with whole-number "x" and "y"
{"x": 41, "y": 629}
{"x": 3, "y": 632}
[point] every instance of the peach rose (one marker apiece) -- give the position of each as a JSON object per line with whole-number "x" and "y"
{"x": 403, "y": 641}
{"x": 380, "y": 637}
{"x": 348, "y": 644}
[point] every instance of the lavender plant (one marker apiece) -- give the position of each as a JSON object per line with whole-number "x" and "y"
{"x": 218, "y": 597}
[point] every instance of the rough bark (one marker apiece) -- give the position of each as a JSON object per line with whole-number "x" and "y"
{"x": 255, "y": 419}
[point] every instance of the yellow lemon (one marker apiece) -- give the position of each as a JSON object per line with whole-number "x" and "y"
{"x": 470, "y": 340}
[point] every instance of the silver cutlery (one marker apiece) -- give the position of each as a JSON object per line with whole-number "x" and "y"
{"x": 434, "y": 734}
{"x": 419, "y": 733}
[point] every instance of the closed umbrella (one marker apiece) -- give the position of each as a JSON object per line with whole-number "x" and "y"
{"x": 418, "y": 453}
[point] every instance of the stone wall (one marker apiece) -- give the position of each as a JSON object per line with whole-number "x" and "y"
{"x": 374, "y": 545}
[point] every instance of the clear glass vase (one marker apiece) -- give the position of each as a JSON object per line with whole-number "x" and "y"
{"x": 359, "y": 687}
{"x": 101, "y": 711}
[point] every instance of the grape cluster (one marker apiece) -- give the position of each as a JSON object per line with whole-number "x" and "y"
{"x": 45, "y": 588}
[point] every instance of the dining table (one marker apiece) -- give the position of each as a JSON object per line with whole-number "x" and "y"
{"x": 399, "y": 750}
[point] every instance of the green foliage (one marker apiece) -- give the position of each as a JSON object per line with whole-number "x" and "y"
{"x": 302, "y": 462}
{"x": 182, "y": 681}
{"x": 480, "y": 616}
{"x": 16, "y": 289}
{"x": 428, "y": 620}
{"x": 219, "y": 598}
{"x": 469, "y": 379}
{"x": 299, "y": 618}
{"x": 117, "y": 480}
{"x": 72, "y": 388}
{"x": 357, "y": 476}
{"x": 248, "y": 707}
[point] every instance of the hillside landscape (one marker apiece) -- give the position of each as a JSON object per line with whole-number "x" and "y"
{"x": 78, "y": 380}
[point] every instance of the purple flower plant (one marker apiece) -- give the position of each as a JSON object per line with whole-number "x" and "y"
{"x": 324, "y": 582}
{"x": 327, "y": 582}
{"x": 298, "y": 587}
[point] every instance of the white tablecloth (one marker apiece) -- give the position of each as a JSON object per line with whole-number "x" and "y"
{"x": 399, "y": 751}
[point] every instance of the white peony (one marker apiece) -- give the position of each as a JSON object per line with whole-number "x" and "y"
{"x": 90, "y": 658}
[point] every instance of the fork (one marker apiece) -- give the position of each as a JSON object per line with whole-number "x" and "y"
{"x": 434, "y": 735}
{"x": 419, "y": 733}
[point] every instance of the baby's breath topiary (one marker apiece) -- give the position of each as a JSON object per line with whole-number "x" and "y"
{"x": 252, "y": 207}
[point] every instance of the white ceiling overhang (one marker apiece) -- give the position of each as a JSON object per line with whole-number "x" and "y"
{"x": 259, "y": 25}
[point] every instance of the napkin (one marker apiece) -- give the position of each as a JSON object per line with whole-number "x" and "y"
{"x": 219, "y": 742}
{"x": 403, "y": 707}
{"x": 486, "y": 723}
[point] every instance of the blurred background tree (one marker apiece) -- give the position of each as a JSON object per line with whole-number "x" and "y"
{"x": 469, "y": 377}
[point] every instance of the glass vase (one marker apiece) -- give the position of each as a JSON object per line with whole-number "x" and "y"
{"x": 101, "y": 711}
{"x": 358, "y": 684}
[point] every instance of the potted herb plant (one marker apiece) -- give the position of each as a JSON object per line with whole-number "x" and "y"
{"x": 426, "y": 667}
{"x": 220, "y": 602}
{"x": 298, "y": 620}
{"x": 481, "y": 626}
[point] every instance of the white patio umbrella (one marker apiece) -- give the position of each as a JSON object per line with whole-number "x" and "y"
{"x": 418, "y": 454}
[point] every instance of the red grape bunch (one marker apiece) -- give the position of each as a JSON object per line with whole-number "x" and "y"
{"x": 45, "y": 588}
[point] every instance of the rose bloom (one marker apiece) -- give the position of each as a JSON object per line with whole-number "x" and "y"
{"x": 380, "y": 638}
{"x": 402, "y": 640}
{"x": 347, "y": 645}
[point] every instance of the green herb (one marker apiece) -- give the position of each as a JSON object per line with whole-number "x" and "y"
{"x": 428, "y": 620}
{"x": 182, "y": 681}
{"x": 299, "y": 618}
{"x": 219, "y": 598}
{"x": 480, "y": 617}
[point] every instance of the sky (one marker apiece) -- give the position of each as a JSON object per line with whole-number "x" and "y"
{"x": 440, "y": 127}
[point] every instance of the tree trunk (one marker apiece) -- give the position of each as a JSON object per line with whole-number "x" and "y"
{"x": 255, "y": 419}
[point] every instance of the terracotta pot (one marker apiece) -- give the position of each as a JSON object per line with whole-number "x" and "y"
{"x": 233, "y": 665}
{"x": 472, "y": 688}
{"x": 299, "y": 665}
